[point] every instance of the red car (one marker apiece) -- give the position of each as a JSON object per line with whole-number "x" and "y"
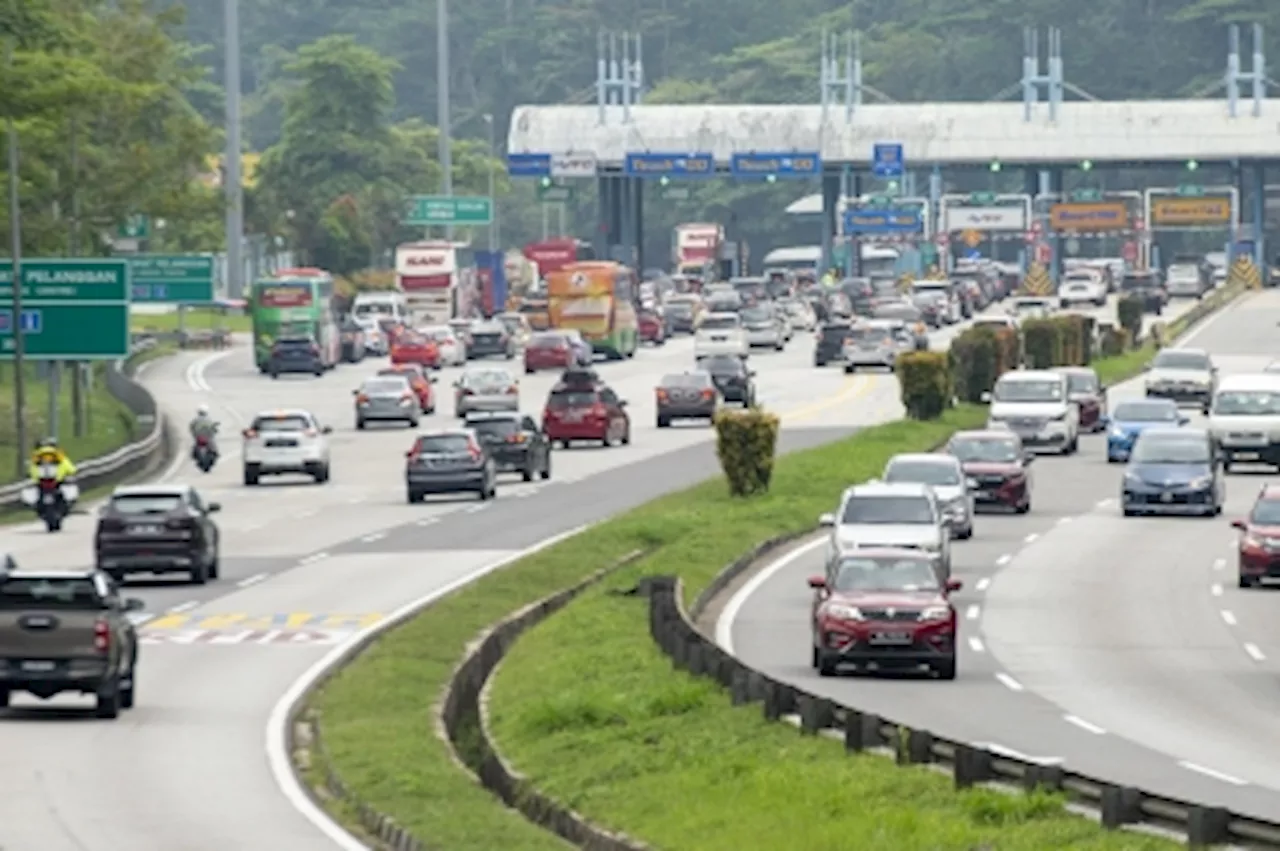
{"x": 1086, "y": 390}
{"x": 884, "y": 609}
{"x": 1259, "y": 551}
{"x": 652, "y": 328}
{"x": 582, "y": 407}
{"x": 412, "y": 347}
{"x": 418, "y": 381}
{"x": 550, "y": 350}
{"x": 997, "y": 466}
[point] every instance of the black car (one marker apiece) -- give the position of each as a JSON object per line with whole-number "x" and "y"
{"x": 490, "y": 337}
{"x": 157, "y": 529}
{"x": 453, "y": 461}
{"x": 731, "y": 377}
{"x": 686, "y": 396}
{"x": 295, "y": 354}
{"x": 353, "y": 348}
{"x": 831, "y": 337}
{"x": 514, "y": 442}
{"x": 1147, "y": 286}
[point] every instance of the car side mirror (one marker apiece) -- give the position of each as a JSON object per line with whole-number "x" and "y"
{"x": 409, "y": 453}
{"x": 986, "y": 396}
{"x": 622, "y": 403}
{"x": 817, "y": 583}
{"x": 326, "y": 430}
{"x": 355, "y": 392}
{"x": 213, "y": 507}
{"x": 1183, "y": 419}
{"x": 827, "y": 520}
{"x": 1104, "y": 421}
{"x": 1027, "y": 458}
{"x": 1238, "y": 524}
{"x": 133, "y": 604}
{"x": 954, "y": 585}
{"x": 971, "y": 484}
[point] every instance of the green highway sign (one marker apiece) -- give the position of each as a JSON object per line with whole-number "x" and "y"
{"x": 171, "y": 278}
{"x": 555, "y": 194}
{"x": 135, "y": 227}
{"x": 982, "y": 199}
{"x": 1088, "y": 194}
{"x": 72, "y": 309}
{"x": 1191, "y": 190}
{"x": 674, "y": 193}
{"x": 427, "y": 210}
{"x": 879, "y": 202}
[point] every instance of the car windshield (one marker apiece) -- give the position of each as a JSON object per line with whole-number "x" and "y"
{"x": 1170, "y": 359}
{"x": 888, "y": 510}
{"x": 571, "y": 399}
{"x": 688, "y": 379}
{"x": 757, "y": 314}
{"x": 835, "y": 333}
{"x": 548, "y": 341}
{"x": 1171, "y": 449}
{"x": 487, "y": 378}
{"x": 500, "y": 429}
{"x": 511, "y": 323}
{"x": 282, "y": 422}
{"x": 1146, "y": 412}
{"x": 720, "y": 323}
{"x": 725, "y": 365}
{"x": 374, "y": 308}
{"x": 885, "y": 574}
{"x": 1247, "y": 403}
{"x": 1028, "y": 391}
{"x": 681, "y": 306}
{"x": 439, "y": 334}
{"x": 994, "y": 450}
{"x": 49, "y": 593}
{"x": 385, "y": 386}
{"x": 1082, "y": 382}
{"x": 1266, "y": 512}
{"x": 923, "y": 472}
{"x": 1137, "y": 283}
{"x": 442, "y": 444}
{"x": 145, "y": 503}
{"x": 869, "y": 335}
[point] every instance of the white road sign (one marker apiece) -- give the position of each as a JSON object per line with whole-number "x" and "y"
{"x": 984, "y": 218}
{"x": 573, "y": 165}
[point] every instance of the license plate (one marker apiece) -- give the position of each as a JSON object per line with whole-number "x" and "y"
{"x": 144, "y": 530}
{"x": 719, "y": 339}
{"x": 891, "y": 638}
{"x": 48, "y": 499}
{"x": 1245, "y": 456}
{"x": 573, "y": 417}
{"x": 1166, "y": 497}
{"x": 38, "y": 666}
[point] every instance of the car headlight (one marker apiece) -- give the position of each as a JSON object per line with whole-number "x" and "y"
{"x": 1251, "y": 542}
{"x": 1202, "y": 482}
{"x": 935, "y": 613}
{"x": 1118, "y": 433}
{"x": 933, "y": 547}
{"x": 1060, "y": 417}
{"x": 843, "y": 612}
{"x": 1131, "y": 479}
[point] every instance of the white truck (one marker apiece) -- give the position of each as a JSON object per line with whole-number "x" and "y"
{"x": 697, "y": 246}
{"x": 427, "y": 273}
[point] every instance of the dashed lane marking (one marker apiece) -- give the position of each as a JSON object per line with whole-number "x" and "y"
{"x": 184, "y": 607}
{"x": 313, "y": 558}
{"x": 1003, "y": 560}
{"x": 972, "y": 613}
{"x": 1031, "y": 539}
{"x": 976, "y": 645}
{"x": 1009, "y": 682}
{"x": 1219, "y": 564}
{"x": 984, "y": 583}
{"x": 252, "y": 580}
{"x": 1209, "y": 772}
{"x": 1215, "y": 589}
{"x": 1087, "y": 726}
{"x": 376, "y": 536}
{"x": 1228, "y": 617}
{"x": 1255, "y": 652}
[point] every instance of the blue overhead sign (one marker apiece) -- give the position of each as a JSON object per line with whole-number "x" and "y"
{"x": 796, "y": 164}
{"x": 878, "y": 222}
{"x": 887, "y": 160}
{"x": 670, "y": 165}
{"x": 529, "y": 165}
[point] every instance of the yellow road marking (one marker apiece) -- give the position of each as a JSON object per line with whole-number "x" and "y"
{"x": 287, "y": 621}
{"x": 855, "y": 387}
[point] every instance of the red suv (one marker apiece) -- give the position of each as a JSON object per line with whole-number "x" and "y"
{"x": 883, "y": 609}
{"x": 582, "y": 407}
{"x": 997, "y": 466}
{"x": 1260, "y": 539}
{"x": 652, "y": 327}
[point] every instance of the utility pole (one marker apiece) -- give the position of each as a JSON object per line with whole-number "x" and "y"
{"x": 442, "y": 103}
{"x": 232, "y": 183}
{"x": 73, "y": 250}
{"x": 15, "y": 232}
{"x": 493, "y": 201}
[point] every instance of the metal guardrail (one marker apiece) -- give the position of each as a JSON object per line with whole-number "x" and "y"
{"x": 131, "y": 458}
{"x": 1117, "y": 805}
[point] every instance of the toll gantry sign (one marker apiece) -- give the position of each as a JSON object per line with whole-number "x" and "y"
{"x": 72, "y": 309}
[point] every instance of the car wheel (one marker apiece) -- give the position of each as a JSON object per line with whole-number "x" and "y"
{"x": 108, "y": 705}
{"x": 546, "y": 467}
{"x": 663, "y": 422}
{"x": 485, "y": 492}
{"x": 1024, "y": 508}
{"x": 250, "y": 476}
{"x": 4, "y": 698}
{"x": 946, "y": 670}
{"x": 528, "y": 472}
{"x": 966, "y": 533}
{"x": 817, "y": 657}
{"x": 1244, "y": 582}
{"x": 413, "y": 422}
{"x": 127, "y": 692}
{"x": 849, "y": 369}
{"x": 826, "y": 666}
{"x": 413, "y": 497}
{"x": 626, "y": 437}
{"x": 215, "y": 565}
{"x": 1129, "y": 512}
{"x": 1226, "y": 465}
{"x": 199, "y": 574}
{"x": 359, "y": 425}
{"x": 528, "y": 371}
{"x": 322, "y": 475}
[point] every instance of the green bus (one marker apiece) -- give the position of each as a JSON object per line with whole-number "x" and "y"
{"x": 295, "y": 302}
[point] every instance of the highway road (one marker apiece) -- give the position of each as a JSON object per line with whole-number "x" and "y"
{"x": 1116, "y": 646}
{"x": 305, "y": 567}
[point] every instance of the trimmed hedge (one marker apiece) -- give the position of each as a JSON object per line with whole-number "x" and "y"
{"x": 926, "y": 383}
{"x": 1115, "y": 342}
{"x": 746, "y": 444}
{"x": 1129, "y": 312}
{"x": 1042, "y": 343}
{"x": 978, "y": 357}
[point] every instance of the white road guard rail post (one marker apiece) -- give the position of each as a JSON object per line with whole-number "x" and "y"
{"x": 129, "y": 459}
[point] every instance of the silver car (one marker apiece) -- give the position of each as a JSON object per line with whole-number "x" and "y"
{"x": 945, "y": 475}
{"x": 883, "y": 514}
{"x": 387, "y": 398}
{"x": 871, "y": 344}
{"x": 486, "y": 389}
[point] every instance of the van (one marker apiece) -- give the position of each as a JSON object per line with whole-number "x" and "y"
{"x": 1035, "y": 405}
{"x": 380, "y": 305}
{"x": 1244, "y": 419}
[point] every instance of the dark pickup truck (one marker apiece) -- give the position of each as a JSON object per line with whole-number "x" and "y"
{"x": 67, "y": 631}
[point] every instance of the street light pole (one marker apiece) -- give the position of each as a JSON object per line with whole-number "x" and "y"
{"x": 15, "y": 232}
{"x": 442, "y": 103}
{"x": 493, "y": 201}
{"x": 232, "y": 184}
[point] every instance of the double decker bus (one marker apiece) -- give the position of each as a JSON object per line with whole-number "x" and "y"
{"x": 552, "y": 255}
{"x": 295, "y": 302}
{"x": 598, "y": 299}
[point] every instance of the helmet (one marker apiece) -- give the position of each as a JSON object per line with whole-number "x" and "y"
{"x": 202, "y": 411}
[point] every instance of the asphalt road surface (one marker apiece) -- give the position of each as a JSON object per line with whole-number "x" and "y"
{"x": 306, "y": 566}
{"x": 1119, "y": 647}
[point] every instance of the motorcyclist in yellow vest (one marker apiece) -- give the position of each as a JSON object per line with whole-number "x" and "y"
{"x": 47, "y": 451}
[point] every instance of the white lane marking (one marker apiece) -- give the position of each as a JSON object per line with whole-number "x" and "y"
{"x": 1103, "y": 503}
{"x": 1220, "y": 563}
{"x": 376, "y": 536}
{"x": 1030, "y": 539}
{"x": 1215, "y": 589}
{"x": 313, "y": 558}
{"x": 976, "y": 645}
{"x": 477, "y": 508}
{"x": 973, "y": 612}
{"x": 1003, "y": 560}
{"x": 310, "y": 512}
{"x": 984, "y": 583}
{"x": 427, "y": 521}
{"x": 1010, "y": 753}
{"x": 1255, "y": 652}
{"x": 196, "y": 371}
{"x": 1209, "y": 772}
{"x": 1229, "y": 617}
{"x": 1009, "y": 682}
{"x": 724, "y": 624}
{"x": 277, "y": 731}
{"x": 1062, "y": 520}
{"x": 249, "y": 527}
{"x": 139, "y": 618}
{"x": 184, "y": 607}
{"x": 252, "y": 580}
{"x": 355, "y": 500}
{"x": 1087, "y": 726}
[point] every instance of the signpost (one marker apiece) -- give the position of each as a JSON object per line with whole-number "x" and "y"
{"x": 573, "y": 165}
{"x": 135, "y": 227}
{"x": 675, "y": 193}
{"x": 797, "y": 164}
{"x": 887, "y": 160}
{"x": 649, "y": 165}
{"x": 171, "y": 279}
{"x": 71, "y": 309}
{"x": 871, "y": 222}
{"x": 427, "y": 210}
{"x": 555, "y": 194}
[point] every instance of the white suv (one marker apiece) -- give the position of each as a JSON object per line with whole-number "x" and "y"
{"x": 1036, "y": 405}
{"x": 883, "y": 514}
{"x": 291, "y": 441}
{"x": 720, "y": 334}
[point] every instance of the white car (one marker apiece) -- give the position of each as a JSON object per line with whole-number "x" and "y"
{"x": 763, "y": 327}
{"x": 1245, "y": 419}
{"x": 883, "y": 514}
{"x": 801, "y": 315}
{"x": 1032, "y": 307}
{"x": 374, "y": 340}
{"x": 282, "y": 442}
{"x": 996, "y": 323}
{"x": 1186, "y": 376}
{"x": 1184, "y": 280}
{"x": 945, "y": 475}
{"x": 453, "y": 350}
{"x": 1035, "y": 405}
{"x": 720, "y": 334}
{"x": 1082, "y": 287}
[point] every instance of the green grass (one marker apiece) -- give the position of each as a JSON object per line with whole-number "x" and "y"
{"x": 197, "y": 319}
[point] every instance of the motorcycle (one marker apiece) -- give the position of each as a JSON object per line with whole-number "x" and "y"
{"x": 203, "y": 454}
{"x": 51, "y": 499}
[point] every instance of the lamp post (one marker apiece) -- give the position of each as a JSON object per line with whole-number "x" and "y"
{"x": 493, "y": 201}
{"x": 442, "y": 103}
{"x": 232, "y": 184}
{"x": 15, "y": 233}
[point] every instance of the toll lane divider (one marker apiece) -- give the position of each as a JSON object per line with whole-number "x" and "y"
{"x": 674, "y": 632}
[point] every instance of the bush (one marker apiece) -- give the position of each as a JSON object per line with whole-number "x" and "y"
{"x": 1008, "y": 351}
{"x": 1129, "y": 312}
{"x": 925, "y": 380}
{"x": 1071, "y": 336}
{"x": 1159, "y": 333}
{"x": 975, "y": 363}
{"x": 746, "y": 444}
{"x": 1042, "y": 342}
{"x": 1115, "y": 342}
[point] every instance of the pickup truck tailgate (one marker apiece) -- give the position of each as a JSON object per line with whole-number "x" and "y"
{"x": 51, "y": 634}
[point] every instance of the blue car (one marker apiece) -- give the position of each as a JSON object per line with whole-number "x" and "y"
{"x": 1173, "y": 471}
{"x": 1130, "y": 419}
